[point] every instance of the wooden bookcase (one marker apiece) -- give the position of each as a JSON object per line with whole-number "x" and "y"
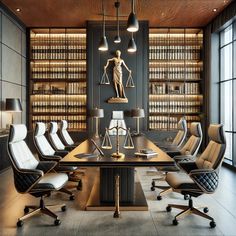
{"x": 175, "y": 77}
{"x": 58, "y": 76}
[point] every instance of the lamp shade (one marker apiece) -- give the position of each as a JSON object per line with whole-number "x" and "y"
{"x": 103, "y": 45}
{"x": 13, "y": 105}
{"x": 97, "y": 112}
{"x": 137, "y": 113}
{"x": 132, "y": 24}
{"x": 132, "y": 46}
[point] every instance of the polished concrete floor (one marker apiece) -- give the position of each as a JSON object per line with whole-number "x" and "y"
{"x": 156, "y": 221}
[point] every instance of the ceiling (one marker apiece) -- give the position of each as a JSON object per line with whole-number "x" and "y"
{"x": 75, "y": 13}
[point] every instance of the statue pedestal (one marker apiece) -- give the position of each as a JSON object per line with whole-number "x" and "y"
{"x": 117, "y": 100}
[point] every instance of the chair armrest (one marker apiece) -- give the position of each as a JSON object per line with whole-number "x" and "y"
{"x": 46, "y": 166}
{"x": 173, "y": 153}
{"x": 184, "y": 158}
{"x": 69, "y": 148}
{"x": 56, "y": 158}
{"x": 61, "y": 153}
{"x": 25, "y": 179}
{"x": 187, "y": 166}
{"x": 206, "y": 179}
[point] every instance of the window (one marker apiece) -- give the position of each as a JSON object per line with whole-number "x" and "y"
{"x": 227, "y": 89}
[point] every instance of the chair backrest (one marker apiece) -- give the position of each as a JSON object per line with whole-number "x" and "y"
{"x": 213, "y": 155}
{"x": 117, "y": 118}
{"x": 54, "y": 138}
{"x": 42, "y": 145}
{"x": 64, "y": 133}
{"x": 193, "y": 144}
{"x": 20, "y": 155}
{"x": 181, "y": 134}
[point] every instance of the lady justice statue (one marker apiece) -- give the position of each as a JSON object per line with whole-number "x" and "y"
{"x": 117, "y": 78}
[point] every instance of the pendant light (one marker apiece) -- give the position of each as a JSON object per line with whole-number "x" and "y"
{"x": 132, "y": 45}
{"x": 103, "y": 45}
{"x": 132, "y": 24}
{"x": 117, "y": 38}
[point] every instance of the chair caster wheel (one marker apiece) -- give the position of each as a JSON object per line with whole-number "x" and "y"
{"x": 72, "y": 197}
{"x": 212, "y": 224}
{"x": 175, "y": 222}
{"x": 57, "y": 222}
{"x": 205, "y": 209}
{"x": 19, "y": 223}
{"x": 63, "y": 208}
{"x": 168, "y": 208}
{"x": 159, "y": 198}
{"x": 186, "y": 197}
{"x": 152, "y": 188}
{"x": 26, "y": 210}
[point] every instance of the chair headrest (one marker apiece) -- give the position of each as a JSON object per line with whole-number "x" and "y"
{"x": 18, "y": 133}
{"x": 117, "y": 115}
{"x": 216, "y": 133}
{"x": 53, "y": 128}
{"x": 64, "y": 125}
{"x": 196, "y": 129}
{"x": 40, "y": 129}
{"x": 182, "y": 124}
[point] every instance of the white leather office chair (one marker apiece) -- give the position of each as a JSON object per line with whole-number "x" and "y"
{"x": 46, "y": 152}
{"x": 117, "y": 118}
{"x": 65, "y": 136}
{"x": 32, "y": 176}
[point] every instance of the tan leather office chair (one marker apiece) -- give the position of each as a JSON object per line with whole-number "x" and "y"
{"x": 189, "y": 150}
{"x": 32, "y": 176}
{"x": 202, "y": 175}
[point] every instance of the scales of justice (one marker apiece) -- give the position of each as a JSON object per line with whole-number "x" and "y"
{"x": 118, "y": 79}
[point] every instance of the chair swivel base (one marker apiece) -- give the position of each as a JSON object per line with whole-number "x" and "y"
{"x": 42, "y": 208}
{"x": 187, "y": 210}
{"x": 64, "y": 190}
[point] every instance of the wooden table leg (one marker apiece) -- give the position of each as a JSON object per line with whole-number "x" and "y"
{"x": 117, "y": 197}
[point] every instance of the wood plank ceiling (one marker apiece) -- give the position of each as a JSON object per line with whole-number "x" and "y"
{"x": 75, "y": 13}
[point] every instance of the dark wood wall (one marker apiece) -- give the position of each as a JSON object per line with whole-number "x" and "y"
{"x": 137, "y": 62}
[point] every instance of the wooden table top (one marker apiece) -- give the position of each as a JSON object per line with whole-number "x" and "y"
{"x": 140, "y": 142}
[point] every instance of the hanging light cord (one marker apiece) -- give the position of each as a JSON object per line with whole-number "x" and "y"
{"x": 103, "y": 10}
{"x": 117, "y": 18}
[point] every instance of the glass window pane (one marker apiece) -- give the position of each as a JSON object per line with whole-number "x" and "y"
{"x": 226, "y": 105}
{"x": 234, "y": 108}
{"x": 226, "y": 63}
{"x": 229, "y": 146}
{"x": 226, "y": 36}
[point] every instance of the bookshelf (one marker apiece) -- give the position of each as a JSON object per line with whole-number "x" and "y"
{"x": 175, "y": 77}
{"x": 58, "y": 76}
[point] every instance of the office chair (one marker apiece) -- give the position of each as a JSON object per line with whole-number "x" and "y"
{"x": 55, "y": 140}
{"x": 202, "y": 175}
{"x": 32, "y": 176}
{"x": 187, "y": 152}
{"x": 117, "y": 119}
{"x": 65, "y": 136}
{"x": 179, "y": 138}
{"x": 46, "y": 152}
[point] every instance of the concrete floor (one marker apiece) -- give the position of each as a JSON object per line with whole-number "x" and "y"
{"x": 156, "y": 221}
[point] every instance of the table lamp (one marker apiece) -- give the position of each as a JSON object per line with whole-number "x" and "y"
{"x": 137, "y": 113}
{"x": 97, "y": 113}
{"x": 13, "y": 105}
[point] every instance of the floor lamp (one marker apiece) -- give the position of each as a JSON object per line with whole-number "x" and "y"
{"x": 13, "y": 105}
{"x": 97, "y": 113}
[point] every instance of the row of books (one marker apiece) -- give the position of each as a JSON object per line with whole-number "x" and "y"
{"x": 166, "y": 122}
{"x": 69, "y": 88}
{"x": 174, "y": 88}
{"x": 74, "y": 122}
{"x": 58, "y": 107}
{"x": 59, "y": 72}
{"x": 65, "y": 52}
{"x": 172, "y": 73}
{"x": 174, "y": 107}
{"x": 175, "y": 52}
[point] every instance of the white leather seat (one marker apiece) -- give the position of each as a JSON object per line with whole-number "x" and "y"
{"x": 117, "y": 118}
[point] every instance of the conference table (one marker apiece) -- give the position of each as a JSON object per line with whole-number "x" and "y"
{"x": 131, "y": 196}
